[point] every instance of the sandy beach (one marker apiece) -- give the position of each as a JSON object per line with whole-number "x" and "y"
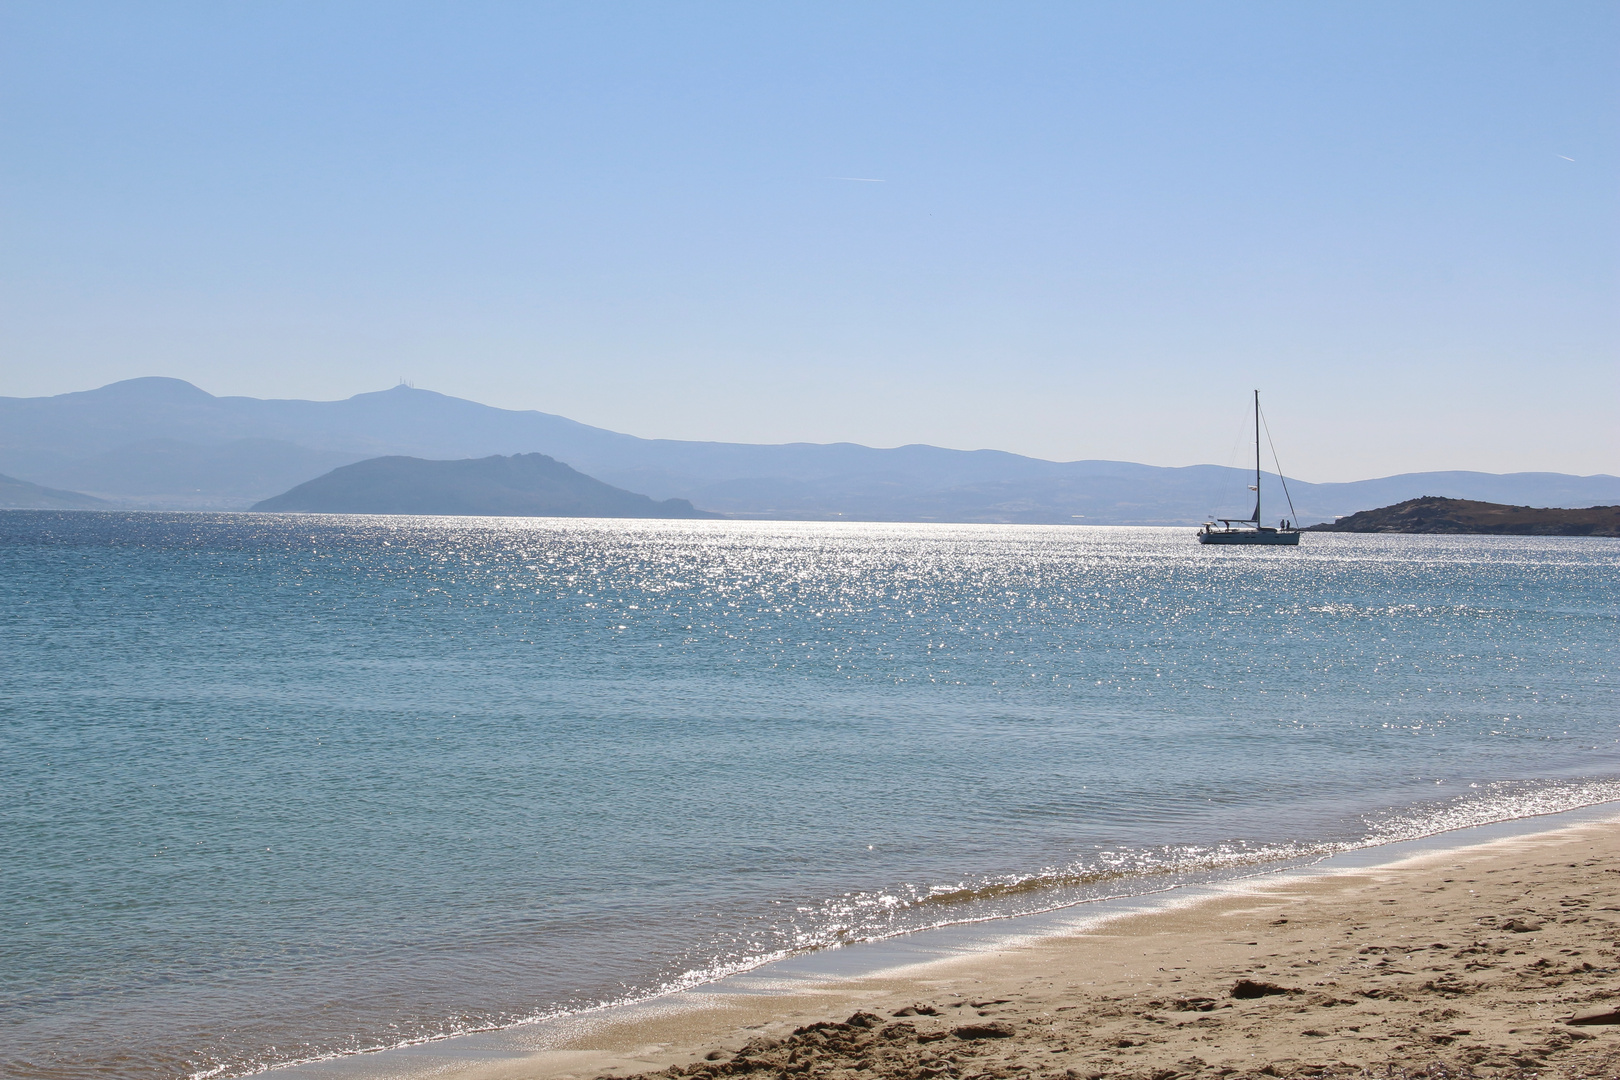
{"x": 1469, "y": 962}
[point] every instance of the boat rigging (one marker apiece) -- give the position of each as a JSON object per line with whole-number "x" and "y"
{"x": 1231, "y": 532}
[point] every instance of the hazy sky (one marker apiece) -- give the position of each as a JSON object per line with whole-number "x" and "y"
{"x": 1071, "y": 230}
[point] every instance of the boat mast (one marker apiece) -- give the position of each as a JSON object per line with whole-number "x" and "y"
{"x": 1257, "y": 459}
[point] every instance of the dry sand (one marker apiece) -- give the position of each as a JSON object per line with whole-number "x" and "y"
{"x": 1466, "y": 963}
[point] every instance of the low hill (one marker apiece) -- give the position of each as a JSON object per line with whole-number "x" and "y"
{"x": 523, "y": 485}
{"x": 1432, "y": 514}
{"x": 21, "y": 495}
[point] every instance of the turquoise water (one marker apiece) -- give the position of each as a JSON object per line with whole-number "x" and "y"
{"x": 276, "y": 788}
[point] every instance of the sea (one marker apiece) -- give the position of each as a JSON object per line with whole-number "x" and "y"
{"x": 279, "y": 789}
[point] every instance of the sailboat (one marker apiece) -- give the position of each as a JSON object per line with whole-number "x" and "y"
{"x": 1230, "y": 531}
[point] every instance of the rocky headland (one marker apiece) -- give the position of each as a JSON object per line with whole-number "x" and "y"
{"x": 1432, "y": 514}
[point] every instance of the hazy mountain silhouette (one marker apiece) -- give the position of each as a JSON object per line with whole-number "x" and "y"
{"x": 524, "y": 485}
{"x": 21, "y": 495}
{"x": 233, "y": 451}
{"x": 186, "y": 473}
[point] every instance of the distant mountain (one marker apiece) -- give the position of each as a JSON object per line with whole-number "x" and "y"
{"x": 525, "y": 485}
{"x": 1435, "y": 515}
{"x": 165, "y": 443}
{"x": 21, "y": 495}
{"x": 186, "y": 474}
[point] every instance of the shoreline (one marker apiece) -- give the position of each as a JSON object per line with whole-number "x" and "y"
{"x": 1015, "y": 966}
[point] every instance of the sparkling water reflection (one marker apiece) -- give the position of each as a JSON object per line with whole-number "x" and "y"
{"x": 280, "y": 787}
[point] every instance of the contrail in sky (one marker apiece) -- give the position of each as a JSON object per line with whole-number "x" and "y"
{"x": 857, "y": 179}
{"x": 1566, "y": 158}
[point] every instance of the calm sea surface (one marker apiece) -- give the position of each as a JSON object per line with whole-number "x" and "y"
{"x": 277, "y": 788}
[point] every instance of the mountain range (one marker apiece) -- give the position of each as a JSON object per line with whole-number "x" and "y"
{"x": 164, "y": 443}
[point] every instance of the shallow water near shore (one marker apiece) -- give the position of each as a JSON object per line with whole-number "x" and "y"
{"x": 896, "y": 956}
{"x": 286, "y": 788}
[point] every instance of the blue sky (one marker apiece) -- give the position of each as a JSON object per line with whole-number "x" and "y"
{"x": 1095, "y": 227}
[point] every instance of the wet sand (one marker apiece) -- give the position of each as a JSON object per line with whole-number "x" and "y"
{"x": 1462, "y": 963}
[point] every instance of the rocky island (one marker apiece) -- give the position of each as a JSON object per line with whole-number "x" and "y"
{"x": 1432, "y": 514}
{"x": 522, "y": 485}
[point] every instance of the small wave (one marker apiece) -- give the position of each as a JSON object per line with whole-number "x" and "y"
{"x": 884, "y": 914}
{"x": 1486, "y": 804}
{"x": 1190, "y": 861}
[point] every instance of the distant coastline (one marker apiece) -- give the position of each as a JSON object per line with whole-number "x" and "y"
{"x": 21, "y": 495}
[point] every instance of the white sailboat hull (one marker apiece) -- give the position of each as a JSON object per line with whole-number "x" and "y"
{"x": 1289, "y": 537}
